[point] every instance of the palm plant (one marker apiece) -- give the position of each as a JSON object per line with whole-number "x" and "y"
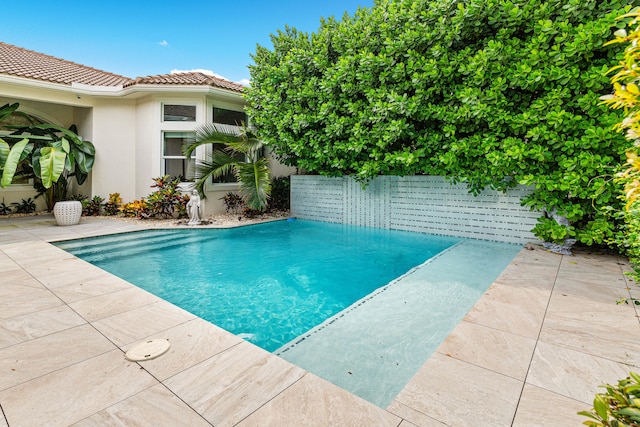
{"x": 241, "y": 155}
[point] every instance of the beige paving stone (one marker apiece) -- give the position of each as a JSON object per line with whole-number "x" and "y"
{"x": 541, "y": 408}
{"x": 36, "y": 254}
{"x": 138, "y": 323}
{"x": 609, "y": 336}
{"x": 592, "y": 262}
{"x": 14, "y": 280}
{"x": 612, "y": 280}
{"x": 54, "y": 278}
{"x": 74, "y": 393}
{"x": 26, "y": 361}
{"x": 514, "y": 309}
{"x": 580, "y": 292}
{"x": 458, "y": 393}
{"x": 26, "y": 300}
{"x": 155, "y": 406}
{"x": 33, "y": 325}
{"x": 113, "y": 303}
{"x": 418, "y": 418}
{"x": 572, "y": 373}
{"x": 191, "y": 343}
{"x": 312, "y": 401}
{"x": 102, "y": 284}
{"x": 479, "y": 345}
{"x": 229, "y": 386}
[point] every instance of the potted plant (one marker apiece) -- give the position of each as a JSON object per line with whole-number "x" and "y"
{"x": 51, "y": 155}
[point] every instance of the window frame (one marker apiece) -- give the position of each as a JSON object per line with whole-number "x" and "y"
{"x": 178, "y": 104}
{"x": 164, "y": 157}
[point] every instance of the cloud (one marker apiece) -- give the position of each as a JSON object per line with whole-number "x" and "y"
{"x": 163, "y": 43}
{"x": 199, "y": 70}
{"x": 244, "y": 82}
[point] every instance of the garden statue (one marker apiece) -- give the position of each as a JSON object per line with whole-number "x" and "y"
{"x": 193, "y": 208}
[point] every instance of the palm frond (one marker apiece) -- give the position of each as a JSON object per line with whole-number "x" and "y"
{"x": 254, "y": 180}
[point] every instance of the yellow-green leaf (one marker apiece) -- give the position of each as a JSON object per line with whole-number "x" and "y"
{"x": 51, "y": 165}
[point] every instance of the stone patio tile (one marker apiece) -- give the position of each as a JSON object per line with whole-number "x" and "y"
{"x": 518, "y": 310}
{"x": 418, "y": 418}
{"x": 23, "y": 362}
{"x": 459, "y": 393}
{"x": 155, "y": 406}
{"x": 138, "y": 323}
{"x": 19, "y": 300}
{"x": 34, "y": 325}
{"x": 581, "y": 292}
{"x": 71, "y": 272}
{"x": 541, "y": 408}
{"x": 613, "y": 280}
{"x": 609, "y": 335}
{"x": 103, "y": 284}
{"x": 76, "y": 392}
{"x": 229, "y": 386}
{"x": 572, "y": 373}
{"x": 314, "y": 402}
{"x": 16, "y": 279}
{"x": 592, "y": 262}
{"x": 191, "y": 343}
{"x": 113, "y": 303}
{"x": 479, "y": 345}
{"x": 35, "y": 253}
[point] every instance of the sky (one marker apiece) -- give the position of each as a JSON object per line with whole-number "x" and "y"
{"x": 137, "y": 38}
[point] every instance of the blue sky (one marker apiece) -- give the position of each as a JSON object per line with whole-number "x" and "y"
{"x": 140, "y": 37}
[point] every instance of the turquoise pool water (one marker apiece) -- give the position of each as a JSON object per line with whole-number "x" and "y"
{"x": 267, "y": 283}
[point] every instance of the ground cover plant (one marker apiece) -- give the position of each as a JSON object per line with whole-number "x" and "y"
{"x": 494, "y": 93}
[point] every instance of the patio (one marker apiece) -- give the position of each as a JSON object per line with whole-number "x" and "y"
{"x": 532, "y": 351}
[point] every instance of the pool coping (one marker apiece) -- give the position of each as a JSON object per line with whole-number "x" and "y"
{"x": 528, "y": 353}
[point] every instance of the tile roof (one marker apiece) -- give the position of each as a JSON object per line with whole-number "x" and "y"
{"x": 193, "y": 78}
{"x": 20, "y": 62}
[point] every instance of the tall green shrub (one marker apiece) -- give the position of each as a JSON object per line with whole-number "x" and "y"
{"x": 490, "y": 92}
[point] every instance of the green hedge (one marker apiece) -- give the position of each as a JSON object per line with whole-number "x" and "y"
{"x": 489, "y": 92}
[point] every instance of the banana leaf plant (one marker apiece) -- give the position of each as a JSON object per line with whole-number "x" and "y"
{"x": 241, "y": 154}
{"x": 49, "y": 154}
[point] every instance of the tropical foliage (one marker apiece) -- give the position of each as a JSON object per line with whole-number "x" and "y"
{"x": 46, "y": 153}
{"x": 241, "y": 154}
{"x": 626, "y": 95}
{"x": 618, "y": 407}
{"x": 491, "y": 92}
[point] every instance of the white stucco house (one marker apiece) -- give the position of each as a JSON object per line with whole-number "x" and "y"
{"x": 136, "y": 124}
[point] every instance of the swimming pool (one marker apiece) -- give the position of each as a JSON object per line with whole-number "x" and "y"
{"x": 267, "y": 283}
{"x": 275, "y": 284}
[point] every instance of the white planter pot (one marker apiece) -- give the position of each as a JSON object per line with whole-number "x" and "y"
{"x": 67, "y": 213}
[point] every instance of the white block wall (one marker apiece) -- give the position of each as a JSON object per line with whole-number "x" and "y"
{"x": 427, "y": 204}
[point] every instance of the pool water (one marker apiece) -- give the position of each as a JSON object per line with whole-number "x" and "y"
{"x": 268, "y": 283}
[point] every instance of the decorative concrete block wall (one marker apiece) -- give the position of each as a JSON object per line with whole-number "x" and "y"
{"x": 427, "y": 204}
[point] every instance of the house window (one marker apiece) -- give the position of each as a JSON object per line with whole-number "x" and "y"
{"x": 178, "y": 113}
{"x": 229, "y": 117}
{"x": 175, "y": 164}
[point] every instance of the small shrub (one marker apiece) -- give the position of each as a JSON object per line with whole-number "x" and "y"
{"x": 112, "y": 207}
{"x": 167, "y": 199}
{"x": 233, "y": 202}
{"x": 4, "y": 209}
{"x": 280, "y": 194}
{"x": 25, "y": 206}
{"x": 136, "y": 209}
{"x": 251, "y": 213}
{"x": 93, "y": 206}
{"x": 619, "y": 406}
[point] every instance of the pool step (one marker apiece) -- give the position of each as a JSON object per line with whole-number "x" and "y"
{"x": 130, "y": 245}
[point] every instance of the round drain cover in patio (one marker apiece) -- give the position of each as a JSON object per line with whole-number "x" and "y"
{"x": 147, "y": 350}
